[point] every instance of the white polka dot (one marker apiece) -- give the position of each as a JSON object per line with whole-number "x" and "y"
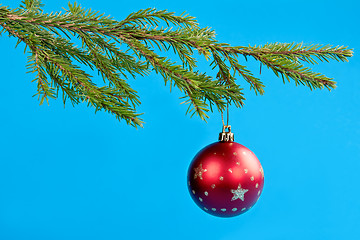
{"x": 215, "y": 153}
{"x": 223, "y": 209}
{"x": 252, "y": 178}
{"x": 206, "y": 193}
{"x": 234, "y": 209}
{"x": 193, "y": 191}
{"x": 237, "y": 163}
{"x": 213, "y": 186}
{"x": 246, "y": 170}
{"x": 257, "y": 185}
{"x": 258, "y": 192}
{"x": 200, "y": 199}
{"x": 214, "y": 209}
{"x": 243, "y": 209}
{"x": 221, "y": 178}
{"x": 230, "y": 170}
{"x": 206, "y": 209}
{"x": 235, "y": 153}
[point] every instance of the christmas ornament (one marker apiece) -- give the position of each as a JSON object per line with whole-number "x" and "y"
{"x": 225, "y": 179}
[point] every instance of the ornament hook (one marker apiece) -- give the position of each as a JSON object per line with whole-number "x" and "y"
{"x": 226, "y": 136}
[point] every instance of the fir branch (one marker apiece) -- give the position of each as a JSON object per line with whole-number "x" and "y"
{"x": 297, "y": 72}
{"x": 152, "y": 17}
{"x": 301, "y": 52}
{"x": 55, "y": 59}
{"x": 80, "y": 85}
{"x": 187, "y": 81}
{"x": 31, "y": 5}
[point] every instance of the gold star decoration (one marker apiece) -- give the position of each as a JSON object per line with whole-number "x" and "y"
{"x": 199, "y": 172}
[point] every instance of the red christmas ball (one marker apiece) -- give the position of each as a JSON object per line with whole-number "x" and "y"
{"x": 225, "y": 179}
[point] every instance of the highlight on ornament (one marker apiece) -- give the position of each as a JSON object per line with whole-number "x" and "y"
{"x": 225, "y": 179}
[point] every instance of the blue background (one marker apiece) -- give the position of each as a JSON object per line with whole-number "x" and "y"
{"x": 66, "y": 173}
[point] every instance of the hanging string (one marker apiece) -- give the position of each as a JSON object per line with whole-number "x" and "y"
{"x": 227, "y": 112}
{"x": 222, "y": 118}
{"x": 227, "y": 115}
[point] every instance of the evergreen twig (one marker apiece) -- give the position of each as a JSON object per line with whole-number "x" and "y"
{"x": 56, "y": 60}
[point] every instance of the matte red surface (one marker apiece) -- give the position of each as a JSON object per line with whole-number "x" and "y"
{"x": 225, "y": 179}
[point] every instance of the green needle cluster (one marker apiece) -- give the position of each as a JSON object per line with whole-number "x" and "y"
{"x": 119, "y": 50}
